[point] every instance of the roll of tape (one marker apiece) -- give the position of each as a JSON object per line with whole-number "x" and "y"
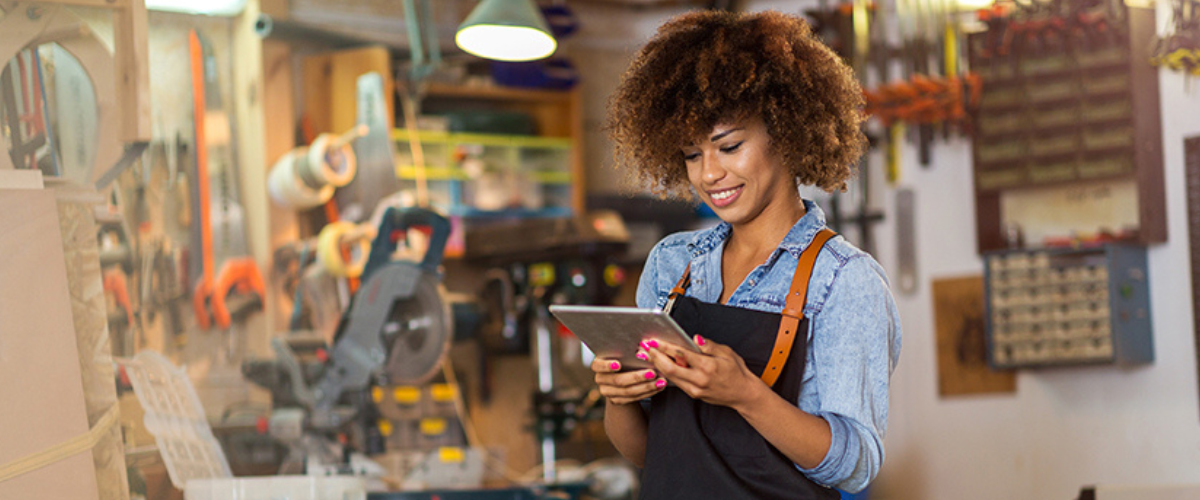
{"x": 333, "y": 160}
{"x": 288, "y": 190}
{"x": 307, "y": 168}
{"x": 329, "y": 249}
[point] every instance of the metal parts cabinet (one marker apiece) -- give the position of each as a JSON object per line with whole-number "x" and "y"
{"x": 1054, "y": 307}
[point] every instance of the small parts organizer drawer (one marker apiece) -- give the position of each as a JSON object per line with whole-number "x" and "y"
{"x": 1056, "y": 307}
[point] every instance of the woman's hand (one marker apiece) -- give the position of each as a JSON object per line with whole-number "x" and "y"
{"x": 625, "y": 387}
{"x": 717, "y": 375}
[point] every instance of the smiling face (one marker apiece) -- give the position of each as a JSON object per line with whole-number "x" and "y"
{"x": 735, "y": 171}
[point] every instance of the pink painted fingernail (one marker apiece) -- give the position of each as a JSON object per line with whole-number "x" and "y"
{"x": 643, "y": 356}
{"x": 660, "y": 383}
{"x": 652, "y": 343}
{"x": 615, "y": 365}
{"x": 700, "y": 340}
{"x": 649, "y": 375}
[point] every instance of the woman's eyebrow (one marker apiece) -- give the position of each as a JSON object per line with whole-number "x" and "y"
{"x": 718, "y": 137}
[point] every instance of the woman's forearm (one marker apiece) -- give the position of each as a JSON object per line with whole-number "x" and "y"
{"x": 625, "y": 425}
{"x": 802, "y": 437}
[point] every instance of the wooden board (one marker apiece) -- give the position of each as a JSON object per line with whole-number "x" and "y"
{"x": 330, "y": 82}
{"x": 21, "y": 179}
{"x": 280, "y": 137}
{"x": 40, "y": 382}
{"x": 961, "y": 342}
{"x": 132, "y": 59}
{"x": 1191, "y": 166}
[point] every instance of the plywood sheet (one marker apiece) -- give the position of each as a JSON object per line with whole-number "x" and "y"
{"x": 88, "y": 312}
{"x": 961, "y": 343}
{"x": 40, "y": 383}
{"x": 21, "y": 179}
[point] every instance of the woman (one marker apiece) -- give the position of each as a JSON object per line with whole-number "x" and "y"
{"x": 797, "y": 328}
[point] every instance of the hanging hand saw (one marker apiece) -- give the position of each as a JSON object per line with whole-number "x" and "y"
{"x": 225, "y": 263}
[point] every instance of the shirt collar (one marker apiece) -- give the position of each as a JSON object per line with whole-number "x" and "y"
{"x": 797, "y": 239}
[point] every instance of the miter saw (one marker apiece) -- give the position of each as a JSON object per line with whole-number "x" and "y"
{"x": 397, "y": 330}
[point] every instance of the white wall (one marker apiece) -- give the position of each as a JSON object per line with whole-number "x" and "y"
{"x": 1063, "y": 428}
{"x": 605, "y": 44}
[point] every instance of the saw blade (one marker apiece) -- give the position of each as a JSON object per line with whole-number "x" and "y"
{"x": 401, "y": 305}
{"x": 418, "y": 333}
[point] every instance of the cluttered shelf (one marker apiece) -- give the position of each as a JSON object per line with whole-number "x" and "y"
{"x": 498, "y": 93}
{"x": 548, "y": 119}
{"x": 429, "y": 136}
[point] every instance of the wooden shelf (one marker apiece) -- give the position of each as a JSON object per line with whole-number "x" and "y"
{"x": 498, "y": 93}
{"x": 329, "y": 89}
{"x": 556, "y": 114}
{"x": 526, "y": 141}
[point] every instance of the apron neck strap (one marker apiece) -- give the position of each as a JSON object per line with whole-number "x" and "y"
{"x": 680, "y": 288}
{"x": 798, "y": 293}
{"x": 793, "y": 309}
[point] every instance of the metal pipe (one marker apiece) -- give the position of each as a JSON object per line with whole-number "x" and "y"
{"x": 545, "y": 368}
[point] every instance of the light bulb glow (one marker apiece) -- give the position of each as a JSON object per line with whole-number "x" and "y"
{"x": 972, "y": 5}
{"x": 505, "y": 43}
{"x": 205, "y": 7}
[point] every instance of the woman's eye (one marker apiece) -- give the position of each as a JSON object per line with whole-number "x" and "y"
{"x": 730, "y": 149}
{"x": 691, "y": 156}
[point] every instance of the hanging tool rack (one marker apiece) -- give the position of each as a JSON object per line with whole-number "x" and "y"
{"x": 1179, "y": 48}
{"x": 1068, "y": 99}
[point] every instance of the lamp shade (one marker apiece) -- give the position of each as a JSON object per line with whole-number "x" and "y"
{"x": 506, "y": 30}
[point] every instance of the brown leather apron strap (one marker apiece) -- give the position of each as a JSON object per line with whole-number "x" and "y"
{"x": 680, "y": 288}
{"x": 793, "y": 309}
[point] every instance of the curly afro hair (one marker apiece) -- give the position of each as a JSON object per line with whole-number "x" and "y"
{"x": 706, "y": 67}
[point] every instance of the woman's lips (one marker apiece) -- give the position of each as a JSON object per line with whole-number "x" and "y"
{"x": 723, "y": 197}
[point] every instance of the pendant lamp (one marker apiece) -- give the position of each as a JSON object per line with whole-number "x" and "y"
{"x": 506, "y": 30}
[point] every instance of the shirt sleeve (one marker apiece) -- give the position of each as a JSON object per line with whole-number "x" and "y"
{"x": 647, "y": 294}
{"x": 855, "y": 345}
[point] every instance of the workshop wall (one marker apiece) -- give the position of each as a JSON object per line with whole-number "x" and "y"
{"x": 1063, "y": 428}
{"x": 608, "y": 38}
{"x": 237, "y": 54}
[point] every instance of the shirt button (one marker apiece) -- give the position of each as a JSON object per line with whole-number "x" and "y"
{"x": 752, "y": 282}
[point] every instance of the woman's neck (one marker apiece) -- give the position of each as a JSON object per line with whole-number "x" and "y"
{"x": 764, "y": 233}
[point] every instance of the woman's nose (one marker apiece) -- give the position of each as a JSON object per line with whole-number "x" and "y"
{"x": 711, "y": 169}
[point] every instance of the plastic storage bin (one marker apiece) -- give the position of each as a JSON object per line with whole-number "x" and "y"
{"x": 176, "y": 418}
{"x": 277, "y": 488}
{"x": 194, "y": 459}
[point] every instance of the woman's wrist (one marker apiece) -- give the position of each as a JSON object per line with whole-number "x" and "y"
{"x": 755, "y": 396}
{"x": 610, "y": 404}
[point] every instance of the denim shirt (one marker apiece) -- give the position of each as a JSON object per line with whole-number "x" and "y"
{"x": 854, "y": 331}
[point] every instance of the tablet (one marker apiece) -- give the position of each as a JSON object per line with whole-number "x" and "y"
{"x": 615, "y": 332}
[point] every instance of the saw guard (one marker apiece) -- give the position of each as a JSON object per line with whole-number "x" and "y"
{"x": 377, "y": 335}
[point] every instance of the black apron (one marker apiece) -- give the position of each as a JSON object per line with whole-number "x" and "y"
{"x": 698, "y": 450}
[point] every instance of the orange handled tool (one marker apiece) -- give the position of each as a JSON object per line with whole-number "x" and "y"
{"x": 240, "y": 274}
{"x": 114, "y": 281}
